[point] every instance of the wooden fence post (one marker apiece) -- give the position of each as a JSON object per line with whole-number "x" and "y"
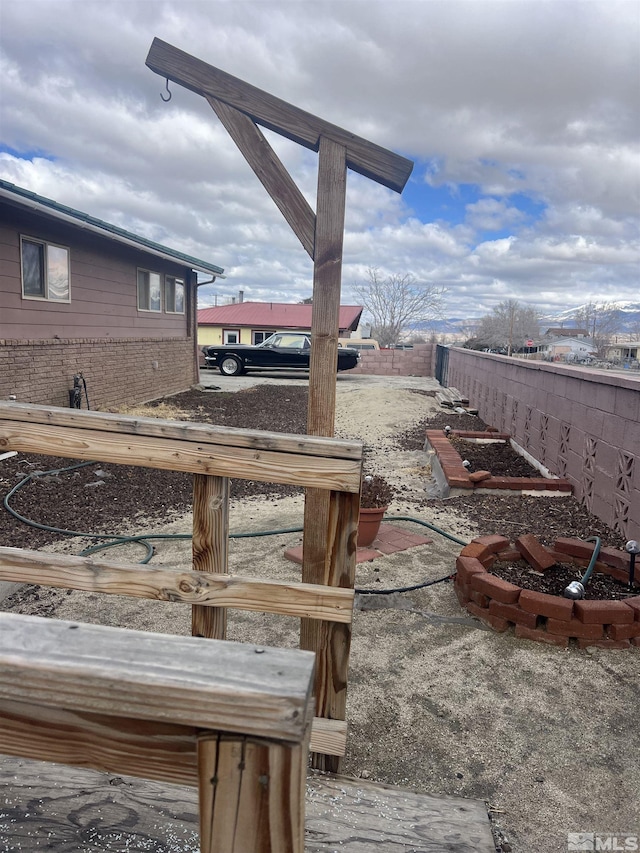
{"x": 210, "y": 548}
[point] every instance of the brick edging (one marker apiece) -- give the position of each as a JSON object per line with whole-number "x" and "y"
{"x": 458, "y": 477}
{"x": 539, "y": 616}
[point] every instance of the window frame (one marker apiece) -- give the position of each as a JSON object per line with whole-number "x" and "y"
{"x": 149, "y": 273}
{"x": 45, "y": 296}
{"x": 225, "y": 334}
{"x": 176, "y": 281}
{"x": 262, "y": 332}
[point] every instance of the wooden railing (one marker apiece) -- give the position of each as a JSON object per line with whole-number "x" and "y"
{"x": 212, "y": 454}
{"x": 216, "y": 715}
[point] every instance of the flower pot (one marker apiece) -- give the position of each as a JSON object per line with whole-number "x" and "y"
{"x": 368, "y": 524}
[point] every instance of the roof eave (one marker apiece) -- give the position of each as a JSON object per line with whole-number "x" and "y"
{"x": 104, "y": 231}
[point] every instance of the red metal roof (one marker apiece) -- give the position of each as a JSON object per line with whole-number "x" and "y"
{"x": 268, "y": 315}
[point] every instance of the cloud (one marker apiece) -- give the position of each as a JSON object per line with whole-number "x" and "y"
{"x": 491, "y": 96}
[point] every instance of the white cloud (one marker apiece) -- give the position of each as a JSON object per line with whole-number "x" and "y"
{"x": 519, "y": 99}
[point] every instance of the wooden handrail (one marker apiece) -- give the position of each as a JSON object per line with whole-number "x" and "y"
{"x": 171, "y": 445}
{"x": 232, "y": 716}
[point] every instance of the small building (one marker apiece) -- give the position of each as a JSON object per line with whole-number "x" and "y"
{"x": 252, "y": 322}
{"x": 82, "y": 296}
{"x": 565, "y": 332}
{"x": 566, "y": 349}
{"x": 624, "y": 353}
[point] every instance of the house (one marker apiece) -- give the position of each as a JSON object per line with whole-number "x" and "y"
{"x": 252, "y": 322}
{"x": 626, "y": 353}
{"x": 79, "y": 296}
{"x": 566, "y": 349}
{"x": 562, "y": 332}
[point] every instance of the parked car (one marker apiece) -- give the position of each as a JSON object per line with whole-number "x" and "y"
{"x": 280, "y": 351}
{"x": 359, "y": 343}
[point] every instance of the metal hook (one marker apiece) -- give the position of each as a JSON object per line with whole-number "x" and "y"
{"x": 166, "y": 100}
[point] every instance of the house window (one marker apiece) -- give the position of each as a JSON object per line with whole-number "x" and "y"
{"x": 173, "y": 295}
{"x": 231, "y": 336}
{"x": 45, "y": 271}
{"x": 148, "y": 291}
{"x": 258, "y": 337}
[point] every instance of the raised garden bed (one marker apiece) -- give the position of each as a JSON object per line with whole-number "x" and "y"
{"x": 452, "y": 476}
{"x": 608, "y": 616}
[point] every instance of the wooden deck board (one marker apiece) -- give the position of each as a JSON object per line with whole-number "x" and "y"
{"x": 69, "y": 810}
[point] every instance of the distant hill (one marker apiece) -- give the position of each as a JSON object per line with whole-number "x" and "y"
{"x": 628, "y": 320}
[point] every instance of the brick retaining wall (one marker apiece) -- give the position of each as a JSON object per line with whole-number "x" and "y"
{"x": 117, "y": 372}
{"x": 419, "y": 361}
{"x": 582, "y": 425}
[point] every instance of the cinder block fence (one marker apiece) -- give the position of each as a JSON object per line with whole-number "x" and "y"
{"x": 581, "y": 424}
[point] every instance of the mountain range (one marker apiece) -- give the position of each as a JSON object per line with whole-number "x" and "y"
{"x": 627, "y": 320}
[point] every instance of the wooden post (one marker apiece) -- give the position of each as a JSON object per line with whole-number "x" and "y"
{"x": 251, "y": 795}
{"x": 325, "y": 322}
{"x": 210, "y": 548}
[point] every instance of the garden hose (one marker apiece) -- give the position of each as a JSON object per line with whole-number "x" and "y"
{"x": 145, "y": 539}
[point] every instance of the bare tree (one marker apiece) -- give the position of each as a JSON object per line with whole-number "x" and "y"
{"x": 397, "y": 303}
{"x": 508, "y": 327}
{"x": 601, "y": 321}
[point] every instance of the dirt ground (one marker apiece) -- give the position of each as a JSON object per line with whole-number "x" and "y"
{"x": 548, "y": 737}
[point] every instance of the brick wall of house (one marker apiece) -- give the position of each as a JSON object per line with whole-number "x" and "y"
{"x": 419, "y": 361}
{"x": 117, "y": 372}
{"x": 581, "y": 424}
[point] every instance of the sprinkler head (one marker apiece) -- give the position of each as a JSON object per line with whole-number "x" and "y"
{"x": 466, "y": 463}
{"x": 447, "y": 430}
{"x": 575, "y": 590}
{"x": 632, "y": 547}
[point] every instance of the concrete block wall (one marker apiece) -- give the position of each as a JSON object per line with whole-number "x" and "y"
{"x": 419, "y": 361}
{"x": 117, "y": 372}
{"x": 581, "y": 424}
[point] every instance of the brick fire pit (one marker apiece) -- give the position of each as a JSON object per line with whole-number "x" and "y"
{"x": 539, "y": 616}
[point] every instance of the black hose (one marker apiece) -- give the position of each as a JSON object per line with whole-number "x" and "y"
{"x": 404, "y": 588}
{"x": 145, "y": 538}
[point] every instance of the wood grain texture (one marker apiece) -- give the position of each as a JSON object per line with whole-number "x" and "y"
{"x": 210, "y": 546}
{"x": 205, "y": 434}
{"x": 175, "y": 455}
{"x": 327, "y": 272}
{"x": 330, "y": 641}
{"x": 251, "y": 795}
{"x": 65, "y": 571}
{"x": 270, "y": 171}
{"x": 165, "y": 752}
{"x": 82, "y": 811}
{"x": 155, "y": 677}
{"x": 365, "y": 157}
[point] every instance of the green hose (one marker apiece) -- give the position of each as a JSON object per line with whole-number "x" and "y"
{"x": 145, "y": 539}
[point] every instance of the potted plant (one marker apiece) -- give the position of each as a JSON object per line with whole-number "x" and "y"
{"x": 375, "y": 496}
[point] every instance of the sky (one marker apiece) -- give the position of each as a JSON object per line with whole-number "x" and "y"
{"x": 522, "y": 120}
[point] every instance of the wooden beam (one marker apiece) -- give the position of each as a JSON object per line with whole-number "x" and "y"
{"x": 155, "y": 677}
{"x": 327, "y": 280}
{"x": 251, "y": 795}
{"x": 267, "y": 466}
{"x": 331, "y": 642}
{"x": 365, "y": 157}
{"x": 328, "y": 736}
{"x": 210, "y": 547}
{"x": 64, "y": 571}
{"x": 270, "y": 171}
{"x": 163, "y": 752}
{"x": 211, "y": 435}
